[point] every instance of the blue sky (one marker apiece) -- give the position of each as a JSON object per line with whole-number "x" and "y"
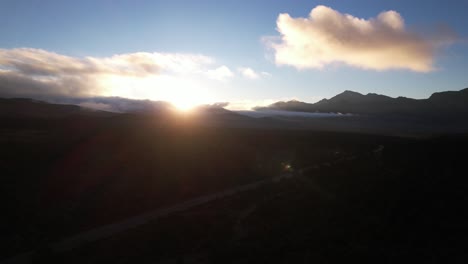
{"x": 234, "y": 35}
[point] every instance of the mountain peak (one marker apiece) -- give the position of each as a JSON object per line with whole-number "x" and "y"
{"x": 346, "y": 95}
{"x": 349, "y": 92}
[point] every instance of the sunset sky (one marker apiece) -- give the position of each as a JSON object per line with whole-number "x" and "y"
{"x": 244, "y": 52}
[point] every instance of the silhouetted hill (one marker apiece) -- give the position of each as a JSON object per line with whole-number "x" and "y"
{"x": 443, "y": 103}
{"x": 292, "y": 105}
{"x": 212, "y": 115}
{"x": 450, "y": 100}
{"x": 396, "y": 116}
{"x": 29, "y": 108}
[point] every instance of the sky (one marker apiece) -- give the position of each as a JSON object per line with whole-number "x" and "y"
{"x": 247, "y": 53}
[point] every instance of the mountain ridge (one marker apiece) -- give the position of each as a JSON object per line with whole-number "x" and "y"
{"x": 447, "y": 102}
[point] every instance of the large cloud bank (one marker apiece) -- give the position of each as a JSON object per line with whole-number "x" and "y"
{"x": 40, "y": 73}
{"x": 328, "y": 36}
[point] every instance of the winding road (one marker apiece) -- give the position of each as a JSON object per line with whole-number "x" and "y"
{"x": 132, "y": 222}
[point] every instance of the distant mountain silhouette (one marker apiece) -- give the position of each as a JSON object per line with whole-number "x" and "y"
{"x": 438, "y": 104}
{"x": 444, "y": 112}
{"x": 30, "y": 108}
{"x": 21, "y": 108}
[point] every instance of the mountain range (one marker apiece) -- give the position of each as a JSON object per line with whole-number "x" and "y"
{"x": 443, "y": 112}
{"x": 437, "y": 105}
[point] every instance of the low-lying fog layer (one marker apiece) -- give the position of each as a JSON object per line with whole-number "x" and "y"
{"x": 268, "y": 113}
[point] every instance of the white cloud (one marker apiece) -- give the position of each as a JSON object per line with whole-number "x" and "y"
{"x": 328, "y": 36}
{"x": 221, "y": 73}
{"x": 248, "y": 73}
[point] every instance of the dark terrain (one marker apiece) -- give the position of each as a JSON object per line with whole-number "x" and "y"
{"x": 373, "y": 198}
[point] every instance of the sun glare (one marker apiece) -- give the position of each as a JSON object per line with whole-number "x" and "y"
{"x": 183, "y": 94}
{"x": 184, "y": 104}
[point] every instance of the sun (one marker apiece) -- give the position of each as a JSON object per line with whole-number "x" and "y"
{"x": 185, "y": 104}
{"x": 184, "y": 94}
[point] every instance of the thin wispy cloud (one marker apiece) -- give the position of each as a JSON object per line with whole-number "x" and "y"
{"x": 37, "y": 62}
{"x": 248, "y": 104}
{"x": 380, "y": 43}
{"x": 251, "y": 74}
{"x": 266, "y": 74}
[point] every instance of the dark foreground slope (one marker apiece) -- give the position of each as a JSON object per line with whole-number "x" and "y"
{"x": 23, "y": 108}
{"x": 402, "y": 202}
{"x": 352, "y": 196}
{"x": 71, "y": 172}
